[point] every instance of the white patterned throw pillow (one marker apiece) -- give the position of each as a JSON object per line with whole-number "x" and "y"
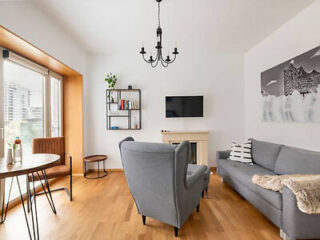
{"x": 241, "y": 152}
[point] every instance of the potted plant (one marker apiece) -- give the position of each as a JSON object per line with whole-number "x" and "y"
{"x": 111, "y": 79}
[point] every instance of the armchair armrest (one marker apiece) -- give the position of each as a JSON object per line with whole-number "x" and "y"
{"x": 197, "y": 175}
{"x": 223, "y": 154}
{"x": 296, "y": 224}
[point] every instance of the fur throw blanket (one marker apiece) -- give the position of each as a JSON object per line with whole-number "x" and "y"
{"x": 306, "y": 188}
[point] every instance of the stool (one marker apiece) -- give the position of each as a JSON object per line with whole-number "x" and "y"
{"x": 97, "y": 159}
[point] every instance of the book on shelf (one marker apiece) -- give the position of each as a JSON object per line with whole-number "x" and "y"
{"x": 127, "y": 105}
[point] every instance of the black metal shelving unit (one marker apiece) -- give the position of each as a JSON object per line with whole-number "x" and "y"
{"x": 119, "y": 95}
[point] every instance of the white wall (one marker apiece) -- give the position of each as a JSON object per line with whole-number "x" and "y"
{"x": 25, "y": 19}
{"x": 297, "y": 36}
{"x": 216, "y": 76}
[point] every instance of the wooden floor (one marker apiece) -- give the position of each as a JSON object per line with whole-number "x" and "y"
{"x": 104, "y": 209}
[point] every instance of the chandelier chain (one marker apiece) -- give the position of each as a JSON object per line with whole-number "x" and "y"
{"x": 159, "y": 14}
{"x": 159, "y": 56}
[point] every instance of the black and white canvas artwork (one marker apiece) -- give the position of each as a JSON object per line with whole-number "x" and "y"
{"x": 291, "y": 91}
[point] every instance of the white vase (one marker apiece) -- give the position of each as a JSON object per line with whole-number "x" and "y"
{"x": 9, "y": 156}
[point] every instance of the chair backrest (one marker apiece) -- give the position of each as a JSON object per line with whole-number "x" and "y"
{"x": 53, "y": 145}
{"x": 155, "y": 173}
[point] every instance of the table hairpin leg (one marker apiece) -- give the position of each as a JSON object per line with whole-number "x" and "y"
{"x": 35, "y": 206}
{"x": 4, "y": 206}
{"x": 34, "y": 213}
{"x": 24, "y": 210}
{"x": 28, "y": 193}
{"x": 47, "y": 192}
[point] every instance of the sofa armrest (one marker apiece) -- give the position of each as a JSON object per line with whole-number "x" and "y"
{"x": 197, "y": 175}
{"x": 223, "y": 154}
{"x": 296, "y": 224}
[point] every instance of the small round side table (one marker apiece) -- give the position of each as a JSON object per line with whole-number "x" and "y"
{"x": 97, "y": 159}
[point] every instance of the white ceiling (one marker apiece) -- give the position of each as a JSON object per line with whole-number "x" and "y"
{"x": 109, "y": 26}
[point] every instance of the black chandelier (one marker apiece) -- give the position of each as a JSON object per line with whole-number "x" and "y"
{"x": 159, "y": 58}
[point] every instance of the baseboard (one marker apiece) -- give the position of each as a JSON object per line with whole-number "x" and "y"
{"x": 109, "y": 170}
{"x": 77, "y": 174}
{"x": 96, "y": 170}
{"x": 115, "y": 170}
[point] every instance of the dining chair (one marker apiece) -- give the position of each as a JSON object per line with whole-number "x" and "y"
{"x": 53, "y": 145}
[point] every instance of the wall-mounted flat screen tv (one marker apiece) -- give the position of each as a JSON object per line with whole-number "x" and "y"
{"x": 184, "y": 106}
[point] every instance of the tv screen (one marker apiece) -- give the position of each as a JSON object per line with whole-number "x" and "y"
{"x": 184, "y": 106}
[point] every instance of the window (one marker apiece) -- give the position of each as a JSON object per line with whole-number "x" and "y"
{"x": 32, "y": 106}
{"x": 23, "y": 105}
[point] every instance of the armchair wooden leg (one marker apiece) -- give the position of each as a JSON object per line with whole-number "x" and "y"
{"x": 144, "y": 220}
{"x": 176, "y": 231}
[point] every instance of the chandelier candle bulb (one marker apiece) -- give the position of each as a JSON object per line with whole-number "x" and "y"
{"x": 142, "y": 51}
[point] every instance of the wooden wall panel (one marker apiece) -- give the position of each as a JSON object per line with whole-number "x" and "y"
{"x": 72, "y": 92}
{"x": 12, "y": 42}
{"x": 73, "y": 116}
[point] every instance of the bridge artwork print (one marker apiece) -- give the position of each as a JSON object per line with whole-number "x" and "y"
{"x": 290, "y": 92}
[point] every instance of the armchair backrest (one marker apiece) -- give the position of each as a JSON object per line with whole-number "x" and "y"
{"x": 156, "y": 174}
{"x": 53, "y": 145}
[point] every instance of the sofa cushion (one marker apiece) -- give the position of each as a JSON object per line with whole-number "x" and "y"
{"x": 241, "y": 152}
{"x": 295, "y": 160}
{"x": 243, "y": 173}
{"x": 265, "y": 154}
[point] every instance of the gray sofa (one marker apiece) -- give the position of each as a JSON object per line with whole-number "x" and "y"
{"x": 281, "y": 209}
{"x": 157, "y": 177}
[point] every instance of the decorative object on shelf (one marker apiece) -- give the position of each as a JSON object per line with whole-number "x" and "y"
{"x": 130, "y": 87}
{"x": 111, "y": 79}
{"x": 135, "y": 123}
{"x": 17, "y": 150}
{"x": 159, "y": 57}
{"x": 127, "y": 106}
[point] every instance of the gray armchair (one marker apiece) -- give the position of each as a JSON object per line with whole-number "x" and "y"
{"x": 157, "y": 177}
